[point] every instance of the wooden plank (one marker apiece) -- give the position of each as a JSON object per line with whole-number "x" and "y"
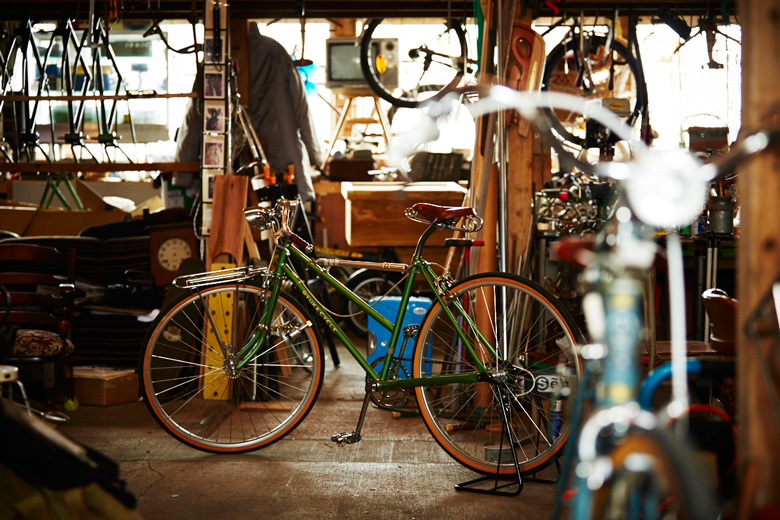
{"x": 218, "y": 328}
{"x": 100, "y": 97}
{"x": 225, "y": 250}
{"x": 759, "y": 256}
{"x": 523, "y": 72}
{"x": 483, "y": 154}
{"x": 227, "y": 219}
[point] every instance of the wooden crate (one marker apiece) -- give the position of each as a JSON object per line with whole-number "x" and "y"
{"x": 375, "y": 211}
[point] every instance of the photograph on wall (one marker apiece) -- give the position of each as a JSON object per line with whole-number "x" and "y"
{"x": 214, "y": 49}
{"x": 214, "y": 116}
{"x": 213, "y": 84}
{"x": 208, "y": 177}
{"x": 206, "y": 219}
{"x": 213, "y": 152}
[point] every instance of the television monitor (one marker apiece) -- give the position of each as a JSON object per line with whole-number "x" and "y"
{"x": 343, "y": 62}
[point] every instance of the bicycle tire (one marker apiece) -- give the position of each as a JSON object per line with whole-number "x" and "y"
{"x": 368, "y": 283}
{"x": 188, "y": 390}
{"x": 541, "y": 365}
{"x": 407, "y": 97}
{"x": 654, "y": 475}
{"x": 556, "y": 78}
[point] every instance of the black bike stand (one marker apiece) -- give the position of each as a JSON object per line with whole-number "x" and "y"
{"x": 514, "y": 480}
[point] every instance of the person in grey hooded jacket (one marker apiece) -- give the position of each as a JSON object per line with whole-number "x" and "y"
{"x": 279, "y": 111}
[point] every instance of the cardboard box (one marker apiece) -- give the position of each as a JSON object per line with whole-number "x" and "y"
{"x": 105, "y": 386}
{"x": 375, "y": 211}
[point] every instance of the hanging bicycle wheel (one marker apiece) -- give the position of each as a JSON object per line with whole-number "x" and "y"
{"x": 406, "y": 71}
{"x": 195, "y": 395}
{"x": 595, "y": 72}
{"x": 654, "y": 475}
{"x": 536, "y": 368}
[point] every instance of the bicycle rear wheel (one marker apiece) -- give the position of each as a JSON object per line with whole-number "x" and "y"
{"x": 190, "y": 390}
{"x": 535, "y": 337}
{"x": 654, "y": 475}
{"x": 427, "y": 60}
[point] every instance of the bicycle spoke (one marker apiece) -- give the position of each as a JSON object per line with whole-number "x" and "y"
{"x": 526, "y": 326}
{"x": 191, "y": 378}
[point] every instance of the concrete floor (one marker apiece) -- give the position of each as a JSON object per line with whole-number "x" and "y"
{"x": 396, "y": 472}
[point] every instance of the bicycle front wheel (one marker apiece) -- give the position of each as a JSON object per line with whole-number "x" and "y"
{"x": 196, "y": 395}
{"x": 527, "y": 340}
{"x": 654, "y": 475}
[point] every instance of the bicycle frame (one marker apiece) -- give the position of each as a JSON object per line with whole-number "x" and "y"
{"x": 283, "y": 270}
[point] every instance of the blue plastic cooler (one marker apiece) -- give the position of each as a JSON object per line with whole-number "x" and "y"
{"x": 379, "y": 337}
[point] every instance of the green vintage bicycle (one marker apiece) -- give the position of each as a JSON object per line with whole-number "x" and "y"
{"x": 236, "y": 363}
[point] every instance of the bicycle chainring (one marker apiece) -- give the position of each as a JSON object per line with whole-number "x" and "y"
{"x": 391, "y": 398}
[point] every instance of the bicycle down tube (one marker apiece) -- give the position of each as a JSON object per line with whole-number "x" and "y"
{"x": 284, "y": 270}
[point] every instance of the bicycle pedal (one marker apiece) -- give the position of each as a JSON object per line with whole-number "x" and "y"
{"x": 345, "y": 438}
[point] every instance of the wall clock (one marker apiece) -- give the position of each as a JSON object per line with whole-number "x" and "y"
{"x": 170, "y": 245}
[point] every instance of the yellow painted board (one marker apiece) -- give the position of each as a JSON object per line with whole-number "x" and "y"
{"x": 215, "y": 384}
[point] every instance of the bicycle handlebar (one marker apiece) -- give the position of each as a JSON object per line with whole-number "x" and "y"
{"x": 300, "y": 242}
{"x": 279, "y": 219}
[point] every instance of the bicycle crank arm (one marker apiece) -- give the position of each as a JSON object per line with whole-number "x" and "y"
{"x": 350, "y": 438}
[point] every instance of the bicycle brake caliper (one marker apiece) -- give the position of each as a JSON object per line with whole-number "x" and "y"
{"x": 443, "y": 284}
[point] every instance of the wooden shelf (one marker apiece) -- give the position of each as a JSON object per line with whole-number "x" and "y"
{"x": 60, "y": 167}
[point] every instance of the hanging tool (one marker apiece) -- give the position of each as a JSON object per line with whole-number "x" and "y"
{"x": 303, "y": 62}
{"x": 709, "y": 26}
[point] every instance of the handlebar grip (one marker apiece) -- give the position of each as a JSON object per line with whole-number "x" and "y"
{"x": 463, "y": 242}
{"x": 301, "y": 243}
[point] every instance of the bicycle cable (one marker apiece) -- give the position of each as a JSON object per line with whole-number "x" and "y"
{"x": 334, "y": 313}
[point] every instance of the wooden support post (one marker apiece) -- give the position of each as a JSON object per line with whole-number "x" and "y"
{"x": 485, "y": 310}
{"x": 759, "y": 256}
{"x": 484, "y": 194}
{"x": 525, "y": 148}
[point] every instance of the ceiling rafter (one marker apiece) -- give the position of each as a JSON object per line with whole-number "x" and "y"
{"x": 46, "y": 10}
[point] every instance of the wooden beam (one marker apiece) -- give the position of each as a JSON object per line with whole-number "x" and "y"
{"x": 758, "y": 261}
{"x": 181, "y": 9}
